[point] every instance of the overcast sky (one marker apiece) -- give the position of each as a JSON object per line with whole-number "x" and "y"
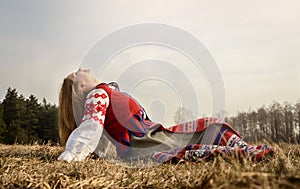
{"x": 256, "y": 44}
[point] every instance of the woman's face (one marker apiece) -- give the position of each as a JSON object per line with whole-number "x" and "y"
{"x": 83, "y": 77}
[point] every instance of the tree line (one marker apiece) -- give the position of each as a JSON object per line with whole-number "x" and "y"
{"x": 276, "y": 122}
{"x": 25, "y": 120}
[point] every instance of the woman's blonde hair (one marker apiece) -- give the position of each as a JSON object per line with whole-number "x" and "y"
{"x": 71, "y": 107}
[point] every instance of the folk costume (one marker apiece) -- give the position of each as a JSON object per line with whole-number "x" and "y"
{"x": 136, "y": 136}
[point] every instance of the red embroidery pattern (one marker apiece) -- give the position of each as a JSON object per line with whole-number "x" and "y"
{"x": 95, "y": 107}
{"x": 97, "y": 95}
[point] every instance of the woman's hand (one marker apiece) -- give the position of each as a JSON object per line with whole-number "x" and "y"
{"x": 66, "y": 156}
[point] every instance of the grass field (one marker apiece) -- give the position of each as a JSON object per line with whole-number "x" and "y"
{"x": 36, "y": 167}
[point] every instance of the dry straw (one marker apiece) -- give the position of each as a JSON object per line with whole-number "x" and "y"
{"x": 36, "y": 167}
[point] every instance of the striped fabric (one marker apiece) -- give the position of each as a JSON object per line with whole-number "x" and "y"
{"x": 200, "y": 152}
{"x": 194, "y": 126}
{"x": 226, "y": 143}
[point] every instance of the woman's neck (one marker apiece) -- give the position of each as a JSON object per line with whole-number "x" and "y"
{"x": 91, "y": 85}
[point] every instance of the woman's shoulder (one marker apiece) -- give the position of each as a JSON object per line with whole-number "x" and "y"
{"x": 108, "y": 86}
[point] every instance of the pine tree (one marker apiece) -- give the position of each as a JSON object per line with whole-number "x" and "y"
{"x": 2, "y": 125}
{"x": 10, "y": 109}
{"x": 30, "y": 119}
{"x": 11, "y": 116}
{"x": 23, "y": 135}
{"x": 47, "y": 126}
{"x": 26, "y": 120}
{"x": 51, "y": 129}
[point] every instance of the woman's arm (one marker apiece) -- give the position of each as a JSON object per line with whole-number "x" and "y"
{"x": 85, "y": 138}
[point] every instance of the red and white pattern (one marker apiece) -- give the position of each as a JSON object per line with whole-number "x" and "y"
{"x": 195, "y": 126}
{"x": 200, "y": 152}
{"x": 85, "y": 138}
{"x": 95, "y": 106}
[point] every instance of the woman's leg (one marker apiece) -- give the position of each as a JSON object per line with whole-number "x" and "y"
{"x": 222, "y": 134}
{"x": 227, "y": 137}
{"x": 216, "y": 139}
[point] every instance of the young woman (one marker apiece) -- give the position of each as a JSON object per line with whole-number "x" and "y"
{"x": 88, "y": 108}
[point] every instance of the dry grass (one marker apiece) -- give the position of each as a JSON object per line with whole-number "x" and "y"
{"x": 36, "y": 167}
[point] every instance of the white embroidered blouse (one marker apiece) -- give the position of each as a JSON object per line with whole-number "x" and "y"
{"x": 85, "y": 138}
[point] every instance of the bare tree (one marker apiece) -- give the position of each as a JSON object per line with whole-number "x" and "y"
{"x": 252, "y": 126}
{"x": 183, "y": 115}
{"x": 262, "y": 120}
{"x": 276, "y": 118}
{"x": 275, "y": 122}
{"x": 289, "y": 121}
{"x": 243, "y": 125}
{"x": 297, "y": 121}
